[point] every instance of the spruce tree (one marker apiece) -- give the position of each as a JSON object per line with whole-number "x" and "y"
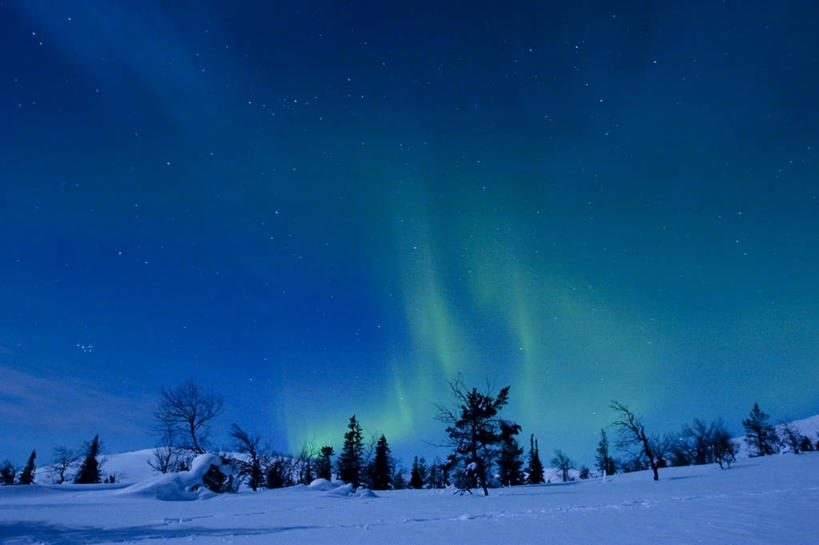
{"x": 759, "y": 434}
{"x": 534, "y": 470}
{"x": 381, "y": 467}
{"x": 350, "y": 459}
{"x": 417, "y": 473}
{"x": 27, "y": 476}
{"x": 7, "y": 473}
{"x": 605, "y": 463}
{"x": 324, "y": 465}
{"x": 509, "y": 463}
{"x": 90, "y": 469}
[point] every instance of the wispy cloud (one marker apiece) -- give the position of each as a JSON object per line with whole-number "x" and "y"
{"x": 67, "y": 403}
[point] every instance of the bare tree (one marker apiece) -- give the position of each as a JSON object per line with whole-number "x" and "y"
{"x": 184, "y": 413}
{"x": 63, "y": 458}
{"x": 165, "y": 459}
{"x": 632, "y": 432}
{"x": 563, "y": 463}
{"x": 251, "y": 466}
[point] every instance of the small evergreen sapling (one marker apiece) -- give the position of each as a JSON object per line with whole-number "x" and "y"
{"x": 27, "y": 475}
{"x": 90, "y": 469}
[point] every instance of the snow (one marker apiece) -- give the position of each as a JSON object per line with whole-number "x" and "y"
{"x": 768, "y": 500}
{"x": 182, "y": 486}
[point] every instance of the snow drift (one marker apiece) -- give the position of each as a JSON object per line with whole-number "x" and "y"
{"x": 181, "y": 486}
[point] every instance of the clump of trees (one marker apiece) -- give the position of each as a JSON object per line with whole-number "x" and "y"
{"x": 534, "y": 470}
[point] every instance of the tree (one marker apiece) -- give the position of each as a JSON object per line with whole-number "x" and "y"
{"x": 381, "y": 466}
{"x": 278, "y": 473}
{"x": 165, "y": 459}
{"x": 724, "y": 448}
{"x": 251, "y": 466}
{"x": 473, "y": 429}
{"x": 418, "y": 473}
{"x": 632, "y": 432}
{"x": 438, "y": 474}
{"x": 184, "y": 413}
{"x": 90, "y": 469}
{"x": 759, "y": 434}
{"x": 534, "y": 470}
{"x": 563, "y": 463}
{"x": 791, "y": 437}
{"x": 7, "y": 473}
{"x": 806, "y": 445}
{"x": 324, "y": 464}
{"x": 509, "y": 463}
{"x": 27, "y": 475}
{"x": 350, "y": 459}
{"x": 605, "y": 463}
{"x": 63, "y": 458}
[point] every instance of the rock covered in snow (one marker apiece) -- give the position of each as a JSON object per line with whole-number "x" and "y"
{"x": 181, "y": 486}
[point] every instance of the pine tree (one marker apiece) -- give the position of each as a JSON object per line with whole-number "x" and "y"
{"x": 381, "y": 466}
{"x": 473, "y": 432}
{"x": 7, "y": 473}
{"x": 534, "y": 470}
{"x": 509, "y": 462}
{"x": 324, "y": 464}
{"x": 605, "y": 463}
{"x": 759, "y": 434}
{"x": 90, "y": 469}
{"x": 27, "y": 476}
{"x": 418, "y": 473}
{"x": 350, "y": 459}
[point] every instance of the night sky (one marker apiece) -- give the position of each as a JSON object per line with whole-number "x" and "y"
{"x": 321, "y": 209}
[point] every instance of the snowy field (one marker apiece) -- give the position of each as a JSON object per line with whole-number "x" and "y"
{"x": 771, "y": 500}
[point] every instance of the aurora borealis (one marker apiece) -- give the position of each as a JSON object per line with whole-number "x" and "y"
{"x": 322, "y": 209}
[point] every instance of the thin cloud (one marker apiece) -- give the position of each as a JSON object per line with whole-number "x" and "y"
{"x": 66, "y": 403}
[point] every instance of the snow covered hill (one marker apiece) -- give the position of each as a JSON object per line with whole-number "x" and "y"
{"x": 768, "y": 500}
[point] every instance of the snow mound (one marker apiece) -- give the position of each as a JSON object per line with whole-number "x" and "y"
{"x": 181, "y": 486}
{"x": 347, "y": 491}
{"x": 322, "y": 484}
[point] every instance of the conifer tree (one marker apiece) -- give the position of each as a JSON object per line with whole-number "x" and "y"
{"x": 7, "y": 473}
{"x": 509, "y": 462}
{"x": 324, "y": 464}
{"x": 350, "y": 459}
{"x": 418, "y": 473}
{"x": 605, "y": 463}
{"x": 27, "y": 476}
{"x": 90, "y": 469}
{"x": 759, "y": 434}
{"x": 473, "y": 432}
{"x": 381, "y": 466}
{"x": 534, "y": 470}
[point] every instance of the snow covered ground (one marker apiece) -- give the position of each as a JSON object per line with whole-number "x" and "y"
{"x": 770, "y": 500}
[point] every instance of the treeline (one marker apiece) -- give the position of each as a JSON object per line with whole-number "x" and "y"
{"x": 484, "y": 449}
